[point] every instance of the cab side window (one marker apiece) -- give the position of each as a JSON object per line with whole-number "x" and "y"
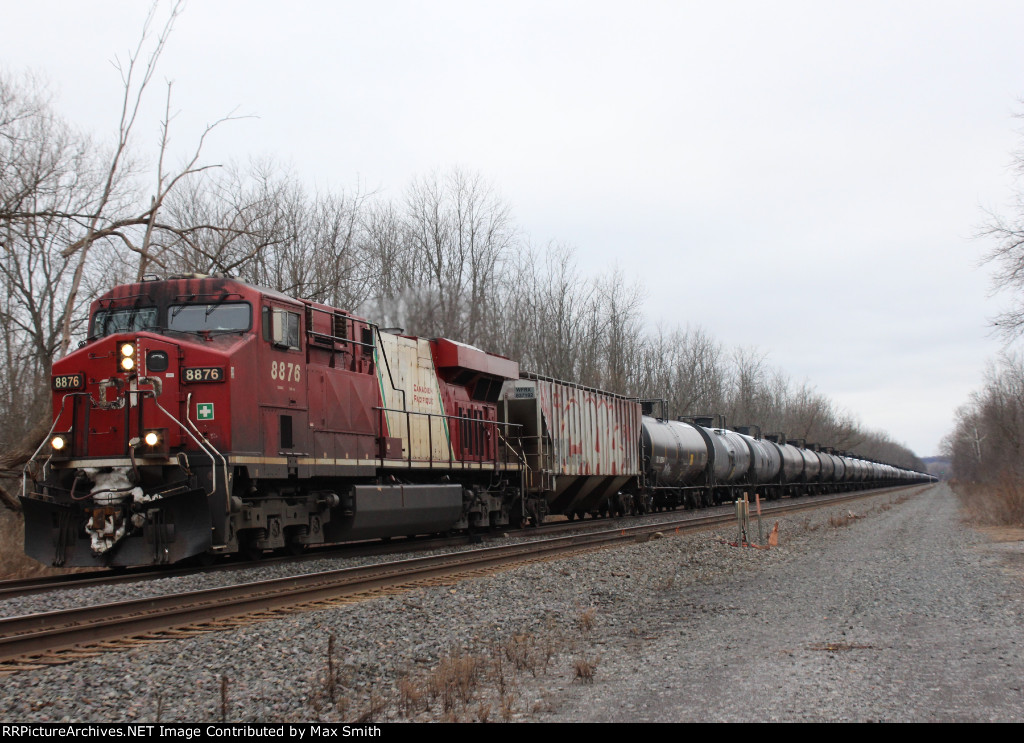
{"x": 281, "y": 327}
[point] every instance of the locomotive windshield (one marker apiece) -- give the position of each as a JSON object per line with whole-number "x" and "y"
{"x": 126, "y": 320}
{"x": 234, "y": 316}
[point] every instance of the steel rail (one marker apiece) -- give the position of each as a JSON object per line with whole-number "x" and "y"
{"x": 29, "y": 586}
{"x": 38, "y": 633}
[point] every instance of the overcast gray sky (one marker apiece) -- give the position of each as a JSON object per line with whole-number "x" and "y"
{"x": 803, "y": 177}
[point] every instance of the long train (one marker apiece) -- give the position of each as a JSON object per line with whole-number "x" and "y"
{"x": 205, "y": 416}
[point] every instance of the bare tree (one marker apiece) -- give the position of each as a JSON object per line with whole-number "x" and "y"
{"x": 513, "y": 325}
{"x": 386, "y": 252}
{"x": 460, "y": 233}
{"x": 749, "y": 385}
{"x": 97, "y": 218}
{"x": 561, "y": 300}
{"x": 1007, "y": 232}
{"x": 68, "y": 210}
{"x": 989, "y": 438}
{"x": 620, "y": 306}
{"x": 46, "y": 170}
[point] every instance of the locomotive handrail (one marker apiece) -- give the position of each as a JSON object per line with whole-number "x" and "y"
{"x": 213, "y": 461}
{"x": 213, "y": 478}
{"x": 194, "y": 296}
{"x": 109, "y": 302}
{"x": 543, "y": 451}
{"x": 339, "y": 339}
{"x": 526, "y": 471}
{"x": 445, "y": 417}
{"x": 518, "y": 454}
{"x": 24, "y": 471}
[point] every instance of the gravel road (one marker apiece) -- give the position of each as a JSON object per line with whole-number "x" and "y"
{"x": 899, "y": 614}
{"x": 903, "y": 616}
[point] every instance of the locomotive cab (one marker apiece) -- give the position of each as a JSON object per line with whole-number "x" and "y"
{"x": 133, "y": 470}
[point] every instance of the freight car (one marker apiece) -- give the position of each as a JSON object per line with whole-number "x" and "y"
{"x": 693, "y": 463}
{"x": 205, "y": 416}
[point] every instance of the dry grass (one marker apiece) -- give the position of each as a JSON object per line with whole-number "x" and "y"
{"x": 585, "y": 621}
{"x": 481, "y": 682}
{"x": 585, "y": 669}
{"x": 837, "y": 522}
{"x": 1000, "y": 503}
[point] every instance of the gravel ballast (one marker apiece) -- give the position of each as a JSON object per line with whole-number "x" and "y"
{"x": 899, "y": 614}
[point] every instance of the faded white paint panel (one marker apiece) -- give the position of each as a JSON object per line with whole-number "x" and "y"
{"x": 412, "y": 372}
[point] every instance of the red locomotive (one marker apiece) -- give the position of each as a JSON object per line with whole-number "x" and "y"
{"x": 204, "y": 415}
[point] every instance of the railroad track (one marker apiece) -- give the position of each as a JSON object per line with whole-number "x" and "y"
{"x": 30, "y": 586}
{"x": 104, "y": 577}
{"x": 63, "y": 636}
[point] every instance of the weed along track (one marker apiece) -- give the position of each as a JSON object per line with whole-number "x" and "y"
{"x": 65, "y": 636}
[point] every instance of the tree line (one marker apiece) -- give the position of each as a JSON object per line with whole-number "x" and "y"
{"x": 987, "y": 442}
{"x": 442, "y": 258}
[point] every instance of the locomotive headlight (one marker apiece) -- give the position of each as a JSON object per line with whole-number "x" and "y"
{"x": 155, "y": 440}
{"x": 58, "y": 442}
{"x": 127, "y": 356}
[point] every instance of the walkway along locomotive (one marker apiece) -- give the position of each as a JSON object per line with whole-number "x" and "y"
{"x": 206, "y": 416}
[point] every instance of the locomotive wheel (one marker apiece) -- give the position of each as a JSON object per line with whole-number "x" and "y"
{"x": 250, "y": 550}
{"x": 203, "y": 560}
{"x": 515, "y": 514}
